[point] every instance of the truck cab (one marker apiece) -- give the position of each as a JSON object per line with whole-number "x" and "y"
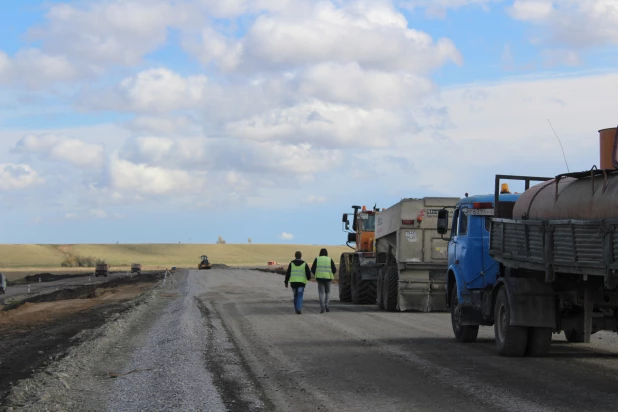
{"x": 471, "y": 270}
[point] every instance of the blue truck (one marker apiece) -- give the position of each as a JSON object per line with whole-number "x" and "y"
{"x": 536, "y": 263}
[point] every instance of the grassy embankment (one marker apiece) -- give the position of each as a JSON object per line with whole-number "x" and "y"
{"x": 17, "y": 261}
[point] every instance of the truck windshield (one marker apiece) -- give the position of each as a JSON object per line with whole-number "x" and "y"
{"x": 369, "y": 223}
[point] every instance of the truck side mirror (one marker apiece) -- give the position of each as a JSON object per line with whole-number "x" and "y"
{"x": 443, "y": 221}
{"x": 351, "y": 237}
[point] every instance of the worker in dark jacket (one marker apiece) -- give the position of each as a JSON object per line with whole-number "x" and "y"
{"x": 324, "y": 270}
{"x": 298, "y": 274}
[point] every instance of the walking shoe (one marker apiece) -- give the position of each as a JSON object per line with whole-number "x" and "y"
{"x": 321, "y": 310}
{"x": 327, "y": 309}
{"x": 298, "y": 312}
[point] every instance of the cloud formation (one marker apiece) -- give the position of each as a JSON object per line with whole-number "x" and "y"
{"x": 18, "y": 176}
{"x": 63, "y": 149}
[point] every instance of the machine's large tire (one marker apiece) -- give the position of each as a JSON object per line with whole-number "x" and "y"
{"x": 510, "y": 340}
{"x": 539, "y": 340}
{"x": 379, "y": 289}
{"x": 345, "y": 293}
{"x": 463, "y": 333}
{"x": 363, "y": 291}
{"x": 574, "y": 335}
{"x": 391, "y": 288}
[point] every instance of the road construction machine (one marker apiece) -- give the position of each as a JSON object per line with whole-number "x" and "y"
{"x": 412, "y": 255}
{"x": 358, "y": 271}
{"x": 101, "y": 269}
{"x": 204, "y": 263}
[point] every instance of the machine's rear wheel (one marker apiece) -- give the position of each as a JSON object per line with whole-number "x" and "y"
{"x": 363, "y": 291}
{"x": 391, "y": 288}
{"x": 345, "y": 293}
{"x": 510, "y": 340}
{"x": 379, "y": 291}
{"x": 463, "y": 333}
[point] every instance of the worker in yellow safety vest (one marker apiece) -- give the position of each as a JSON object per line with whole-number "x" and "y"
{"x": 324, "y": 270}
{"x": 297, "y": 275}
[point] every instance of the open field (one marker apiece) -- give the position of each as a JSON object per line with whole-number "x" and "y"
{"x": 21, "y": 260}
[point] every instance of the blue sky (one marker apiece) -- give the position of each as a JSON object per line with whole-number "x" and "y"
{"x": 185, "y": 120}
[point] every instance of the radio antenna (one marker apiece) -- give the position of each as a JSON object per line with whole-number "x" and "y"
{"x": 562, "y": 148}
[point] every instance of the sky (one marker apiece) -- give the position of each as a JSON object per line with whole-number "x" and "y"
{"x": 165, "y": 121}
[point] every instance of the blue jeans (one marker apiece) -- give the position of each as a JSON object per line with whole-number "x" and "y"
{"x": 298, "y": 297}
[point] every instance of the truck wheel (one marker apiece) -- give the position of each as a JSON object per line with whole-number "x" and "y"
{"x": 510, "y": 340}
{"x": 463, "y": 333}
{"x": 539, "y": 340}
{"x": 363, "y": 291}
{"x": 391, "y": 288}
{"x": 345, "y": 293}
{"x": 379, "y": 290}
{"x": 574, "y": 336}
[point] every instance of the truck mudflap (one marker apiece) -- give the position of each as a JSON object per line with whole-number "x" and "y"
{"x": 422, "y": 288}
{"x": 531, "y": 302}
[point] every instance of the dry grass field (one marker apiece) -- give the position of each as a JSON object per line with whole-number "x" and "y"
{"x": 20, "y": 260}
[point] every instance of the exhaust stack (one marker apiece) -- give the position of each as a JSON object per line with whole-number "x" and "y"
{"x": 608, "y": 147}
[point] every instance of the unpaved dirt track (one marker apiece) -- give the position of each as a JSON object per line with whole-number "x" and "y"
{"x": 230, "y": 340}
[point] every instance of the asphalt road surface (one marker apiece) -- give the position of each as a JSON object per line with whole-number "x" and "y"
{"x": 230, "y": 340}
{"x": 36, "y": 288}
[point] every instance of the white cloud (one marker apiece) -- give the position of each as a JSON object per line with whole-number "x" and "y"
{"x": 502, "y": 128}
{"x": 324, "y": 125}
{"x": 350, "y": 84}
{"x": 18, "y": 176}
{"x": 154, "y": 90}
{"x": 573, "y": 23}
{"x": 438, "y": 8}
{"x": 531, "y": 10}
{"x": 161, "y": 125}
{"x": 63, "y": 149}
{"x": 34, "y": 69}
{"x": 286, "y": 236}
{"x": 372, "y": 33}
{"x": 151, "y": 180}
{"x": 109, "y": 32}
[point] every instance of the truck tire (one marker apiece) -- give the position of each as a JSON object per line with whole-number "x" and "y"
{"x": 463, "y": 333}
{"x": 379, "y": 290}
{"x": 391, "y": 288}
{"x": 363, "y": 291}
{"x": 574, "y": 336}
{"x": 345, "y": 293}
{"x": 510, "y": 340}
{"x": 539, "y": 340}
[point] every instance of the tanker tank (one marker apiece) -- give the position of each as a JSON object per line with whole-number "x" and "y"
{"x": 591, "y": 195}
{"x": 583, "y": 198}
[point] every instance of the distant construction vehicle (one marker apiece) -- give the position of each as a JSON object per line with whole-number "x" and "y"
{"x": 136, "y": 268}
{"x": 413, "y": 255}
{"x": 358, "y": 272}
{"x": 101, "y": 269}
{"x": 204, "y": 263}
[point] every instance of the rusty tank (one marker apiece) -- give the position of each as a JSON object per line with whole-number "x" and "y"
{"x": 589, "y": 195}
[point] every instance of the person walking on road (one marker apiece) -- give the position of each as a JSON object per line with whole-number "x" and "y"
{"x": 297, "y": 275}
{"x": 324, "y": 269}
